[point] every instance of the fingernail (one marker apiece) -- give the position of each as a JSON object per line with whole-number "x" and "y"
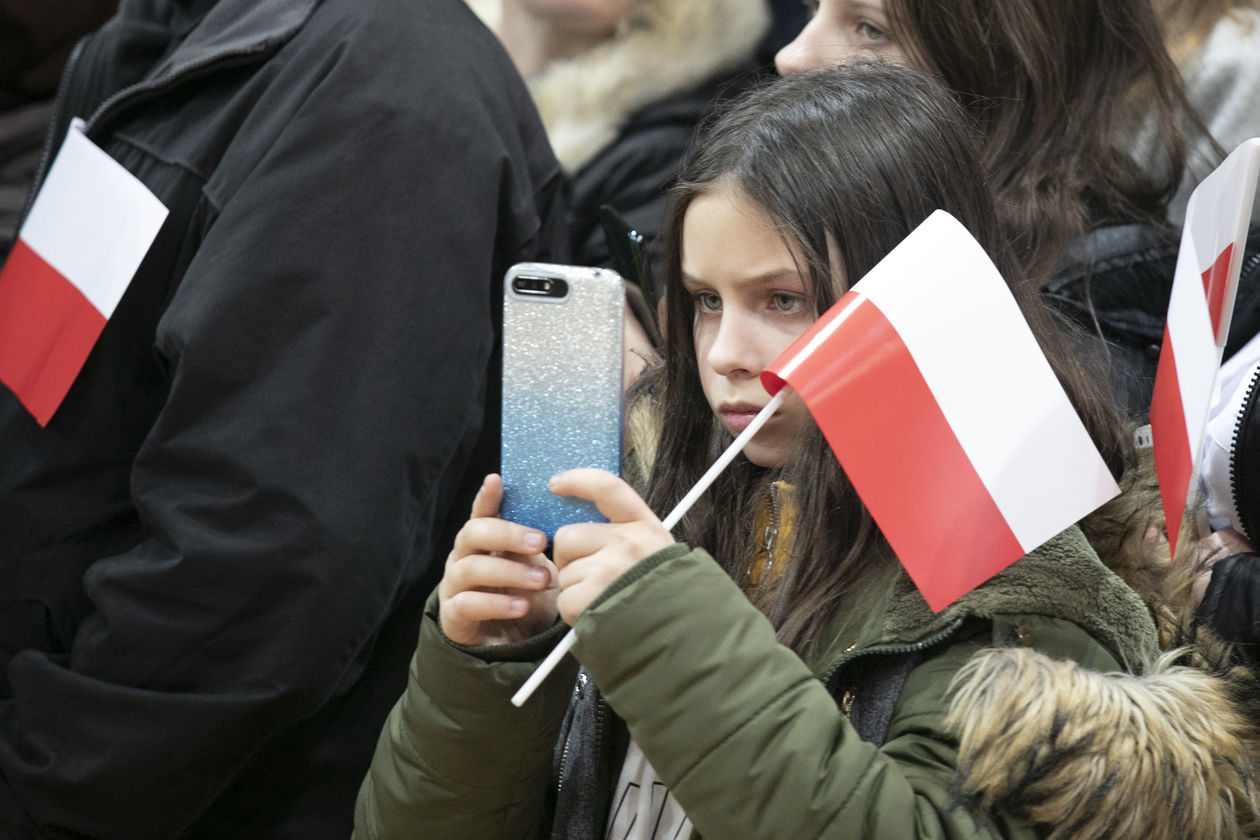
{"x": 540, "y": 576}
{"x": 519, "y": 606}
{"x": 535, "y": 542}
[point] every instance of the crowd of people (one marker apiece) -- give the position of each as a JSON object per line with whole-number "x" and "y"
{"x": 277, "y": 468}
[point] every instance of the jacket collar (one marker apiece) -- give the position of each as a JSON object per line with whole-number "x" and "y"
{"x": 237, "y": 28}
{"x": 1063, "y": 578}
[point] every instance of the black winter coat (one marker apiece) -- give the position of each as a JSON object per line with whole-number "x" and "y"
{"x": 213, "y": 559}
{"x": 1116, "y": 287}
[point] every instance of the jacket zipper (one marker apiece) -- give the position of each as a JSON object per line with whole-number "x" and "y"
{"x": 893, "y": 648}
{"x": 578, "y": 690}
{"x": 1244, "y": 416}
{"x": 1251, "y": 264}
{"x": 770, "y": 536}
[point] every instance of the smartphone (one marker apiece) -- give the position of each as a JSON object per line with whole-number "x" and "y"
{"x": 562, "y": 387}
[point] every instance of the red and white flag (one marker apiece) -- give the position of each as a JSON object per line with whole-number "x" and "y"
{"x": 1199, "y": 311}
{"x": 88, "y": 230}
{"x": 944, "y": 413}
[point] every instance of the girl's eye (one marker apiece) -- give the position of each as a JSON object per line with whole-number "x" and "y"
{"x": 786, "y": 303}
{"x": 708, "y": 302}
{"x": 871, "y": 32}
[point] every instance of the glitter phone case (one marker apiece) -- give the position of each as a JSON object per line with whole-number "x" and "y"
{"x": 562, "y": 387}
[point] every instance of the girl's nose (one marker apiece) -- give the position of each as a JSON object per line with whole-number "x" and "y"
{"x": 734, "y": 349}
{"x": 815, "y": 47}
{"x": 794, "y": 57}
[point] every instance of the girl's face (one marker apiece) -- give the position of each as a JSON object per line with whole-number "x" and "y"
{"x": 750, "y": 302}
{"x": 841, "y": 31}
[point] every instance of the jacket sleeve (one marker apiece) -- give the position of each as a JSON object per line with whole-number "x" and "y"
{"x": 748, "y": 740}
{"x": 330, "y": 351}
{"x": 1231, "y": 604}
{"x": 456, "y": 758}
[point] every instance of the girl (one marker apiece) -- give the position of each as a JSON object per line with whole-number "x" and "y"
{"x": 789, "y": 681}
{"x": 1058, "y": 92}
{"x": 1063, "y": 94}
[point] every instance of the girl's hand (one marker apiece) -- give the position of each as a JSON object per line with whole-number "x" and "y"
{"x": 592, "y": 555}
{"x": 498, "y": 587}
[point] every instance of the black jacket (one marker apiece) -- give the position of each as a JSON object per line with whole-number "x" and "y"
{"x": 212, "y": 560}
{"x": 1116, "y": 287}
{"x": 633, "y": 174}
{"x": 1231, "y": 605}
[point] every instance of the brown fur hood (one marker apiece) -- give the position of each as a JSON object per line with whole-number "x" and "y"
{"x": 668, "y": 47}
{"x": 1170, "y": 755}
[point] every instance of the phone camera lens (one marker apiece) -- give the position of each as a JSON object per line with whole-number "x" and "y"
{"x": 540, "y": 286}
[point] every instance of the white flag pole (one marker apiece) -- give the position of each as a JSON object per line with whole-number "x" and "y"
{"x": 675, "y": 516}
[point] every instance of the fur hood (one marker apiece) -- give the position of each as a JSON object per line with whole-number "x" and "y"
{"x": 667, "y": 48}
{"x": 1170, "y": 755}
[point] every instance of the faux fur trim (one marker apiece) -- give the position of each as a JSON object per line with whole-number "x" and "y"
{"x": 1167, "y": 756}
{"x": 668, "y": 47}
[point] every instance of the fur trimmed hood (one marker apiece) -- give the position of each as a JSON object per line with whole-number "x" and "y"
{"x": 668, "y": 47}
{"x": 1170, "y": 755}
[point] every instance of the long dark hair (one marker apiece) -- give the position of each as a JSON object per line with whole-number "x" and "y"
{"x": 845, "y": 162}
{"x": 1059, "y": 90}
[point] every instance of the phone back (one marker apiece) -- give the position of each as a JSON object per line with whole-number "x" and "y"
{"x": 562, "y": 387}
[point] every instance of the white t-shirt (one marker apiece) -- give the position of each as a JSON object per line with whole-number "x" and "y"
{"x": 636, "y": 816}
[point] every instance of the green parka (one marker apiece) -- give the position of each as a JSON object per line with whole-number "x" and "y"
{"x": 753, "y": 742}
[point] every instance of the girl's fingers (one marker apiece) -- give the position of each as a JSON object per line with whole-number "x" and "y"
{"x": 590, "y": 574}
{"x": 486, "y": 534}
{"x": 473, "y": 607}
{"x": 572, "y": 601}
{"x": 622, "y": 543}
{"x": 481, "y": 571}
{"x": 576, "y": 541}
{"x": 488, "y": 498}
{"x": 614, "y": 497}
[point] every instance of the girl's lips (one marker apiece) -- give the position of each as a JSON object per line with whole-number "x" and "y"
{"x": 737, "y": 417}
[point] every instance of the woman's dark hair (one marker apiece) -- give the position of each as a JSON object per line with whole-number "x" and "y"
{"x": 1059, "y": 91}
{"x": 845, "y": 163}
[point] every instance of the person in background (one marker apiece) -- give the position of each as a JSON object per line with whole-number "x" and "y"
{"x": 1215, "y": 44}
{"x": 35, "y": 41}
{"x": 621, "y": 85}
{"x": 213, "y": 557}
{"x": 1059, "y": 115}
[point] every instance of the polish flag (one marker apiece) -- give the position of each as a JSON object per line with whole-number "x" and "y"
{"x": 940, "y": 406}
{"x": 1199, "y": 311}
{"x": 90, "y": 227}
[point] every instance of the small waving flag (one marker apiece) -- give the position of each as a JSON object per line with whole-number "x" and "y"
{"x": 1199, "y": 311}
{"x": 943, "y": 411}
{"x": 90, "y": 227}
